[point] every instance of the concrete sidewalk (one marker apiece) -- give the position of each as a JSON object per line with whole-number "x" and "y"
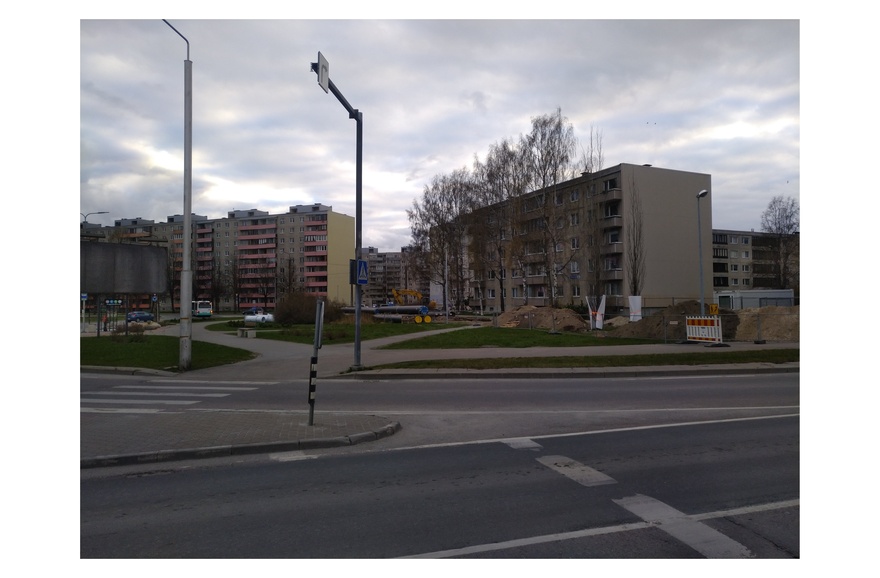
{"x": 108, "y": 438}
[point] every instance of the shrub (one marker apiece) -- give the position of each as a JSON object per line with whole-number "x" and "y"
{"x": 300, "y": 308}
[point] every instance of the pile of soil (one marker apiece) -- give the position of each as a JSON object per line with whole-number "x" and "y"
{"x": 529, "y": 316}
{"x": 767, "y": 323}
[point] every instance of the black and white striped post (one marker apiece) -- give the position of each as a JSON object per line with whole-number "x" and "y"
{"x": 313, "y": 366}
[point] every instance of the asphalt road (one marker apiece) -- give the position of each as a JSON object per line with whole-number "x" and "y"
{"x": 723, "y": 489}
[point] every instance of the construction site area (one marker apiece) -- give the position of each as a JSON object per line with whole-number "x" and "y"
{"x": 778, "y": 324}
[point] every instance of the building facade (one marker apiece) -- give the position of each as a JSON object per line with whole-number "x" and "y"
{"x": 625, "y": 230}
{"x": 250, "y": 258}
{"x": 749, "y": 260}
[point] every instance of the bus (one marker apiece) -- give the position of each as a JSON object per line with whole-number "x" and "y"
{"x": 202, "y": 309}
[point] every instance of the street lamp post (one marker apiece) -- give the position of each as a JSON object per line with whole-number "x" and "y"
{"x": 700, "y": 195}
{"x": 186, "y": 267}
{"x": 86, "y": 215}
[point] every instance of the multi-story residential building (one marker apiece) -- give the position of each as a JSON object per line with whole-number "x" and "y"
{"x": 744, "y": 260}
{"x": 625, "y": 230}
{"x": 251, "y": 257}
{"x": 393, "y": 271}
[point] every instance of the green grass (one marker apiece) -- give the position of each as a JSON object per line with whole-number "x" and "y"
{"x": 163, "y": 352}
{"x": 333, "y": 332}
{"x": 510, "y": 337}
{"x": 154, "y": 352}
{"x": 659, "y": 359}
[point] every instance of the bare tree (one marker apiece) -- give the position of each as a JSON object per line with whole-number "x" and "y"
{"x": 635, "y": 243}
{"x": 550, "y": 149}
{"x": 439, "y": 229}
{"x": 782, "y": 220}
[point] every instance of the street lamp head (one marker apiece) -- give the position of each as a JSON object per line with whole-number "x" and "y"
{"x": 702, "y": 194}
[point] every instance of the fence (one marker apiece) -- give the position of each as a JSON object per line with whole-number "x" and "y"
{"x": 754, "y": 325}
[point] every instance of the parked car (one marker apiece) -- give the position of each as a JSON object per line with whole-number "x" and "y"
{"x": 138, "y": 317}
{"x": 254, "y": 311}
{"x": 259, "y": 317}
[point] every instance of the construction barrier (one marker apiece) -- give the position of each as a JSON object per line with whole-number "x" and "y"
{"x": 705, "y": 329}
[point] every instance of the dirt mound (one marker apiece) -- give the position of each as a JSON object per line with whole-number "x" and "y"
{"x": 529, "y": 316}
{"x": 768, "y": 323}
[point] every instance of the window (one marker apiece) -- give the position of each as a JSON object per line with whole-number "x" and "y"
{"x": 574, "y": 267}
{"x": 574, "y": 195}
{"x": 575, "y": 243}
{"x": 574, "y": 219}
{"x": 575, "y": 290}
{"x": 491, "y": 294}
{"x": 734, "y": 267}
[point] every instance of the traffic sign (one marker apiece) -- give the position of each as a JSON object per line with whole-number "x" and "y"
{"x": 363, "y": 273}
{"x": 323, "y": 72}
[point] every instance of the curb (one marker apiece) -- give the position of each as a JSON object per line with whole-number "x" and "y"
{"x": 733, "y": 369}
{"x": 238, "y": 449}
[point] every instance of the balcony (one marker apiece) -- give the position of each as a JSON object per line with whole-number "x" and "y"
{"x": 611, "y": 248}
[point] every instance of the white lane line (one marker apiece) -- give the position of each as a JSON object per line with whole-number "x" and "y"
{"x": 584, "y": 475}
{"x": 175, "y": 394}
{"x": 522, "y": 542}
{"x": 162, "y": 401}
{"x": 197, "y": 388}
{"x": 188, "y": 381}
{"x": 117, "y": 410}
{"x": 705, "y": 540}
{"x": 523, "y": 444}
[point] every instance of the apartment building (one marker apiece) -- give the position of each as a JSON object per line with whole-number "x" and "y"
{"x": 744, "y": 260}
{"x": 395, "y": 271}
{"x": 625, "y": 230}
{"x": 251, "y": 257}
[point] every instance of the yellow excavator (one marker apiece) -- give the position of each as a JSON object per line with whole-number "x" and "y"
{"x": 400, "y": 294}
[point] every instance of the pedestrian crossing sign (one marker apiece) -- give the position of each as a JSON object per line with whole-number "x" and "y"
{"x": 359, "y": 273}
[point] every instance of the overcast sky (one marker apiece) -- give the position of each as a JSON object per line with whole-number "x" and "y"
{"x": 718, "y": 97}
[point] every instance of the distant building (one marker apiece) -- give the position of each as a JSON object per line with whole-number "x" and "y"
{"x": 250, "y": 257}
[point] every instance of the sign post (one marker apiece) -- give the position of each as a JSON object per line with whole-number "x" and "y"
{"x": 322, "y": 69}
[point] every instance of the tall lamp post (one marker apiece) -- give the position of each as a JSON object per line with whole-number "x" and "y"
{"x": 186, "y": 268}
{"x": 85, "y": 216}
{"x": 700, "y": 195}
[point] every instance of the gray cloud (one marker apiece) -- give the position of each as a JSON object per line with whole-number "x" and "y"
{"x": 720, "y": 97}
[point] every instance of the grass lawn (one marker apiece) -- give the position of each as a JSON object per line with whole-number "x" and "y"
{"x": 154, "y": 352}
{"x": 163, "y": 352}
{"x": 333, "y": 332}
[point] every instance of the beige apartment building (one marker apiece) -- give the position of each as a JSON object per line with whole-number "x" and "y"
{"x": 625, "y": 230}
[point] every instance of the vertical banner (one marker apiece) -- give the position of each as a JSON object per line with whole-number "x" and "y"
{"x": 635, "y": 307}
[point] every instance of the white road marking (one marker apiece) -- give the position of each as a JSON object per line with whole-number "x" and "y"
{"x": 705, "y": 540}
{"x": 519, "y": 543}
{"x": 584, "y": 475}
{"x": 523, "y": 444}
{"x": 117, "y": 410}
{"x": 188, "y": 381}
{"x": 142, "y": 393}
{"x": 198, "y": 388}
{"x": 162, "y": 401}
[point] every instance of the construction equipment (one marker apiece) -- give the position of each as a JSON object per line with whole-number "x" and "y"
{"x": 400, "y": 294}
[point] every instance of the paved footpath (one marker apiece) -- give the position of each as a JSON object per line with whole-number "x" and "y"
{"x": 108, "y": 439}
